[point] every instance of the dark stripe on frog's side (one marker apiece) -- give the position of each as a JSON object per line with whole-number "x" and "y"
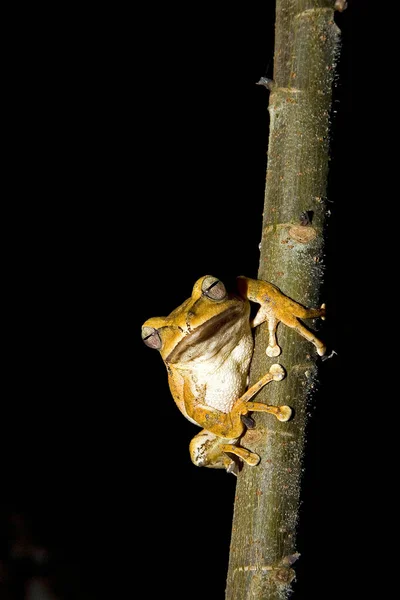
{"x": 207, "y": 331}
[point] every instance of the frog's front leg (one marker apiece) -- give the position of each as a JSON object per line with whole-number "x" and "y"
{"x": 276, "y": 307}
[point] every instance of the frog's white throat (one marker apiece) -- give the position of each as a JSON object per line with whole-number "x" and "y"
{"x": 218, "y": 334}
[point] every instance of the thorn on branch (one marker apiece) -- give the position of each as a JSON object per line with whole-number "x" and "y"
{"x": 331, "y": 355}
{"x": 340, "y": 5}
{"x": 306, "y": 217}
{"x": 290, "y": 559}
{"x": 268, "y": 83}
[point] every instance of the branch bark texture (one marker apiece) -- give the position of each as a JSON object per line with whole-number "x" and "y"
{"x": 263, "y": 545}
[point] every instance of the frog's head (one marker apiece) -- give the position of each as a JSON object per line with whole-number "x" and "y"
{"x": 200, "y": 326}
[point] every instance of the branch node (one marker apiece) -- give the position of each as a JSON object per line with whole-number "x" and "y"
{"x": 284, "y": 575}
{"x": 268, "y": 83}
{"x": 302, "y": 233}
{"x": 290, "y": 559}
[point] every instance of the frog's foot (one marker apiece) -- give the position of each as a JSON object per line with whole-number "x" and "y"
{"x": 210, "y": 450}
{"x": 250, "y": 458}
{"x": 282, "y": 413}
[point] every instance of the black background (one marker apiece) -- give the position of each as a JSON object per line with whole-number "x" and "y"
{"x": 136, "y": 165}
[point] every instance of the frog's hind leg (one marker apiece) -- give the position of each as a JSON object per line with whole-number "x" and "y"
{"x": 209, "y": 450}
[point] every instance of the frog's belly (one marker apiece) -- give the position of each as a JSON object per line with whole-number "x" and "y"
{"x": 225, "y": 384}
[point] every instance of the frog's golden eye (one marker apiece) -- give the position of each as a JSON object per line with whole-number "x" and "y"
{"x": 213, "y": 288}
{"x": 151, "y": 337}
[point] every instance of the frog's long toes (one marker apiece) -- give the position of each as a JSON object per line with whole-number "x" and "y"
{"x": 277, "y": 372}
{"x": 273, "y": 351}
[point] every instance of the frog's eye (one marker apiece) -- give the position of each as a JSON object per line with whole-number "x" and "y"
{"x": 151, "y": 337}
{"x": 213, "y": 288}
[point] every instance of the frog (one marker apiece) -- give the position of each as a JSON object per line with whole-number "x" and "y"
{"x": 206, "y": 344}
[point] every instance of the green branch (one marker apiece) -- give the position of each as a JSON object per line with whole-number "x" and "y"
{"x": 263, "y": 545}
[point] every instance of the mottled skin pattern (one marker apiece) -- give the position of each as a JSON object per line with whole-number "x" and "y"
{"x": 207, "y": 345}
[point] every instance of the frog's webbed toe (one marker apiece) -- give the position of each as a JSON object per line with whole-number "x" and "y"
{"x": 285, "y": 413}
{"x": 273, "y": 351}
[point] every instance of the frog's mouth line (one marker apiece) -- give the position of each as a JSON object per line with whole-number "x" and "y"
{"x": 221, "y": 323}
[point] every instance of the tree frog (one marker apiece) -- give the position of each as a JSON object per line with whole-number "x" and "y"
{"x": 207, "y": 344}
